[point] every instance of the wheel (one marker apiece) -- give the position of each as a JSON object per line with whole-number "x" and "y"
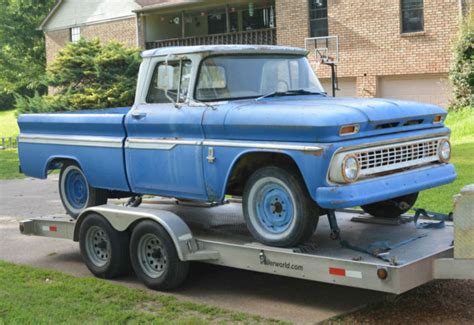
{"x": 104, "y": 250}
{"x": 391, "y": 208}
{"x": 277, "y": 208}
{"x": 154, "y": 257}
{"x": 76, "y": 193}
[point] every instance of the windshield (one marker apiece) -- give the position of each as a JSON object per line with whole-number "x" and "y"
{"x": 254, "y": 76}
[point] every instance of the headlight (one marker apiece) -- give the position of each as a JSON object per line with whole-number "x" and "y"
{"x": 444, "y": 150}
{"x": 350, "y": 168}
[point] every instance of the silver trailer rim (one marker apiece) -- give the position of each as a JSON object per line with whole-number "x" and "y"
{"x": 97, "y": 246}
{"x": 152, "y": 255}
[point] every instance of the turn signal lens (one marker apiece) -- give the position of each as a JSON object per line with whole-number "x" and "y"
{"x": 438, "y": 119}
{"x": 444, "y": 150}
{"x": 382, "y": 274}
{"x": 349, "y": 129}
{"x": 350, "y": 168}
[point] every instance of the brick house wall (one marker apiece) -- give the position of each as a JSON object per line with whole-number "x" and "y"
{"x": 123, "y": 31}
{"x": 371, "y": 45}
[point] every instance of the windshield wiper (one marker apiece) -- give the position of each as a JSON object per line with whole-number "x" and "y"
{"x": 290, "y": 92}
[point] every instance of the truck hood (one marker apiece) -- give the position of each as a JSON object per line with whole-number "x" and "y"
{"x": 318, "y": 119}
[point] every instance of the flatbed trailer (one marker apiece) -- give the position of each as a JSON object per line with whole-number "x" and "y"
{"x": 391, "y": 256}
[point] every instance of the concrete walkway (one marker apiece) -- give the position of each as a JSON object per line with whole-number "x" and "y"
{"x": 270, "y": 296}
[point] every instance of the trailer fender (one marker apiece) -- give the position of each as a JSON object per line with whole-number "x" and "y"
{"x": 122, "y": 218}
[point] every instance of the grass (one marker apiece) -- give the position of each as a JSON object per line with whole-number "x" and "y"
{"x": 9, "y": 164}
{"x": 8, "y": 125}
{"x": 34, "y": 296}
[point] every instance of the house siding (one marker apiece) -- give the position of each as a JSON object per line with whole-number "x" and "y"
{"x": 371, "y": 44}
{"x": 122, "y": 31}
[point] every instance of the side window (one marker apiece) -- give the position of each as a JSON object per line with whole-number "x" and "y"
{"x": 173, "y": 77}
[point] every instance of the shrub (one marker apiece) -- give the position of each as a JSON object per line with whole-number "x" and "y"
{"x": 462, "y": 70}
{"x": 87, "y": 75}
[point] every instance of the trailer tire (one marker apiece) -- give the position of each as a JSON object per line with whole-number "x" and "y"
{"x": 391, "y": 208}
{"x": 154, "y": 257}
{"x": 104, "y": 249}
{"x": 75, "y": 192}
{"x": 277, "y": 208}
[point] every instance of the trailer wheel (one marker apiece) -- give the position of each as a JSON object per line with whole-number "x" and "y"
{"x": 104, "y": 250}
{"x": 75, "y": 192}
{"x": 391, "y": 208}
{"x": 154, "y": 257}
{"x": 277, "y": 208}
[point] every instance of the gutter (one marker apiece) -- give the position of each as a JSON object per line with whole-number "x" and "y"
{"x": 167, "y": 5}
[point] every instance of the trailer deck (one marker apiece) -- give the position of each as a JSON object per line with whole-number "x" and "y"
{"x": 402, "y": 256}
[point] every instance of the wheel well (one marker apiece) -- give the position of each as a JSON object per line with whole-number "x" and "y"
{"x": 248, "y": 163}
{"x": 56, "y": 163}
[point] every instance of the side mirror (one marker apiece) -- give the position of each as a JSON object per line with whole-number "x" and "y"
{"x": 166, "y": 77}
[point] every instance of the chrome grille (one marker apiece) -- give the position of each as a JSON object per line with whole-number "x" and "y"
{"x": 402, "y": 155}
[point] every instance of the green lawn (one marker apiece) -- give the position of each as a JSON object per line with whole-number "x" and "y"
{"x": 9, "y": 164}
{"x": 8, "y": 125}
{"x": 34, "y": 296}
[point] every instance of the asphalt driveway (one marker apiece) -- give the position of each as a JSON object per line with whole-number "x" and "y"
{"x": 244, "y": 291}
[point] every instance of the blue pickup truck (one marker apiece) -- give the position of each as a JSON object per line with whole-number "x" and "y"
{"x": 247, "y": 121}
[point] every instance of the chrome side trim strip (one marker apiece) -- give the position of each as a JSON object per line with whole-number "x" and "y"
{"x": 259, "y": 145}
{"x": 159, "y": 144}
{"x": 87, "y": 141}
{"x": 156, "y": 144}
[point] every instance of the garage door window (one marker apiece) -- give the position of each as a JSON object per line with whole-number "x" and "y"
{"x": 412, "y": 16}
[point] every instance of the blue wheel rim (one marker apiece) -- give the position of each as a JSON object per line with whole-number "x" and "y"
{"x": 76, "y": 189}
{"x": 275, "y": 209}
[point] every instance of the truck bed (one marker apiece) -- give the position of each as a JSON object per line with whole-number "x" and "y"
{"x": 92, "y": 137}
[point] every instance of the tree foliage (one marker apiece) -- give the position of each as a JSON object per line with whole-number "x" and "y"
{"x": 462, "y": 69}
{"x": 22, "y": 51}
{"x": 88, "y": 75}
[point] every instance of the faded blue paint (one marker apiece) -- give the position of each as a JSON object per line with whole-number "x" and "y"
{"x": 379, "y": 189}
{"x": 183, "y": 171}
{"x": 76, "y": 189}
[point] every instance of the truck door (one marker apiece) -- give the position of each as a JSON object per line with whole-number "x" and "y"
{"x": 163, "y": 149}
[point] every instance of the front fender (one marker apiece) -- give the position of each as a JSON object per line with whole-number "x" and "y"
{"x": 312, "y": 167}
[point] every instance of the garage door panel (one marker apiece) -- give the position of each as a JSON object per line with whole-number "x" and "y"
{"x": 347, "y": 87}
{"x": 433, "y": 89}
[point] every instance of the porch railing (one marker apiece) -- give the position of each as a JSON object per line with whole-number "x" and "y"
{"x": 252, "y": 37}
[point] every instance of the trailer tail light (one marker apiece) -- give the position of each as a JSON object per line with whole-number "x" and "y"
{"x": 50, "y": 228}
{"x": 345, "y": 273}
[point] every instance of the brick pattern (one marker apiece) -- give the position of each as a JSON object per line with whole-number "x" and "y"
{"x": 371, "y": 44}
{"x": 292, "y": 20}
{"x": 123, "y": 31}
{"x": 54, "y": 41}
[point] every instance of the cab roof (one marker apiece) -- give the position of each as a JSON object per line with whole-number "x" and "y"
{"x": 224, "y": 49}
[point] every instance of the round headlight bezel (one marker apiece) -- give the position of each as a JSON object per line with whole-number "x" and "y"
{"x": 440, "y": 155}
{"x": 343, "y": 168}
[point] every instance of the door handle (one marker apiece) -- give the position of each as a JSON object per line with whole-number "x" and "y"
{"x": 138, "y": 115}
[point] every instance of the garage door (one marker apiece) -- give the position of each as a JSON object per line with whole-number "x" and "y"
{"x": 432, "y": 89}
{"x": 347, "y": 87}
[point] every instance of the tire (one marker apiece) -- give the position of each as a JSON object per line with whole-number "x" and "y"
{"x": 104, "y": 249}
{"x": 76, "y": 193}
{"x": 154, "y": 257}
{"x": 277, "y": 208}
{"x": 391, "y": 208}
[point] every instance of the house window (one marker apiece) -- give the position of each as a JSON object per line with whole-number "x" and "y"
{"x": 412, "y": 16}
{"x": 75, "y": 34}
{"x": 318, "y": 17}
